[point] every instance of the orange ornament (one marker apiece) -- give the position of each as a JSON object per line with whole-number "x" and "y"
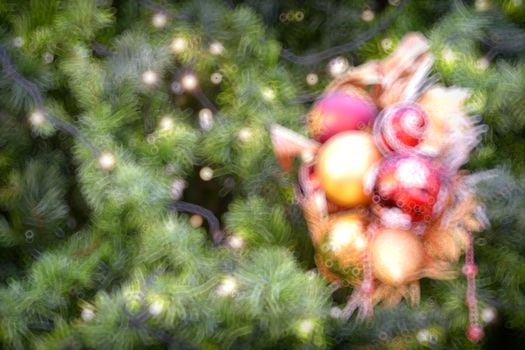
{"x": 397, "y": 256}
{"x": 342, "y": 164}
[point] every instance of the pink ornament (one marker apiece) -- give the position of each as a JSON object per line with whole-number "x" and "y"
{"x": 408, "y": 186}
{"x": 475, "y": 333}
{"x": 400, "y": 127}
{"x": 340, "y": 111}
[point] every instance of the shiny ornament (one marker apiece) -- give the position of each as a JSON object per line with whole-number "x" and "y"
{"x": 411, "y": 184}
{"x": 397, "y": 256}
{"x": 400, "y": 127}
{"x": 343, "y": 163}
{"x": 340, "y": 111}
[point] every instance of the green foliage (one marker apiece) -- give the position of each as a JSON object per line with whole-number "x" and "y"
{"x": 92, "y": 256}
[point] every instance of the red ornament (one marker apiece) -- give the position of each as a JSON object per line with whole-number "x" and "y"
{"x": 340, "y": 111}
{"x": 409, "y": 184}
{"x": 400, "y": 127}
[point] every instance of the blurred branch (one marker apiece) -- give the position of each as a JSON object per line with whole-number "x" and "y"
{"x": 315, "y": 58}
{"x": 32, "y": 89}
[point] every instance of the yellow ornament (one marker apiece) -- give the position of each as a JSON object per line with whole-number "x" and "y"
{"x": 397, "y": 256}
{"x": 346, "y": 241}
{"x": 342, "y": 164}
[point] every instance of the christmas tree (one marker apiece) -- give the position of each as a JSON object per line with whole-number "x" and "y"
{"x": 141, "y": 201}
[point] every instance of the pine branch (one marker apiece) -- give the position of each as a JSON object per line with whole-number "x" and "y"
{"x": 311, "y": 59}
{"x": 32, "y": 89}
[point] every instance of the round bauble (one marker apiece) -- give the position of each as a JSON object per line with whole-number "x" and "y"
{"x": 397, "y": 256}
{"x": 411, "y": 184}
{"x": 343, "y": 163}
{"x": 400, "y": 127}
{"x": 340, "y": 111}
{"x": 346, "y": 240}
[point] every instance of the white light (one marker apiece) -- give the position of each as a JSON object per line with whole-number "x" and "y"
{"x": 206, "y": 119}
{"x": 149, "y": 77}
{"x": 178, "y": 45}
{"x": 189, "y": 82}
{"x": 177, "y": 187}
{"x": 482, "y": 5}
{"x": 87, "y": 314}
{"x": 482, "y": 63}
{"x": 206, "y": 173}
{"x": 227, "y": 287}
{"x": 216, "y": 48}
{"x": 306, "y": 327}
{"x": 367, "y": 15}
{"x": 448, "y": 55}
{"x": 18, "y": 42}
{"x": 196, "y": 221}
{"x": 159, "y": 20}
{"x": 268, "y": 94}
{"x": 235, "y": 242}
{"x": 106, "y": 161}
{"x": 488, "y": 314}
{"x": 244, "y": 135}
{"x": 336, "y": 312}
{"x": 312, "y": 79}
{"x": 386, "y": 44}
{"x": 48, "y": 57}
{"x": 166, "y": 124}
{"x": 37, "y": 118}
{"x": 338, "y": 66}
{"x": 216, "y": 78}
{"x": 345, "y": 233}
{"x": 156, "y": 308}
{"x": 424, "y": 336}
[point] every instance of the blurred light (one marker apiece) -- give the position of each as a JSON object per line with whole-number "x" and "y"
{"x": 488, "y": 314}
{"x": 386, "y": 44}
{"x": 245, "y": 134}
{"x": 156, "y": 308}
{"x": 307, "y": 156}
{"x": 312, "y": 79}
{"x": 177, "y": 188}
{"x": 483, "y": 63}
{"x": 216, "y": 78}
{"x": 206, "y": 119}
{"x": 206, "y": 173}
{"x": 345, "y": 233}
{"x": 196, "y": 221}
{"x": 393, "y": 2}
{"x": 367, "y": 15}
{"x": 48, "y": 57}
{"x": 18, "y": 42}
{"x": 227, "y": 287}
{"x": 87, "y": 314}
{"x": 106, "y": 161}
{"x": 37, "y": 118}
{"x": 268, "y": 94}
{"x": 338, "y": 66}
{"x": 482, "y": 5}
{"x": 306, "y": 327}
{"x": 424, "y": 336}
{"x": 448, "y": 55}
{"x": 166, "y": 124}
{"x": 189, "y": 82}
{"x": 336, "y": 312}
{"x": 159, "y": 20}
{"x": 178, "y": 45}
{"x": 235, "y": 242}
{"x": 149, "y": 77}
{"x": 216, "y": 48}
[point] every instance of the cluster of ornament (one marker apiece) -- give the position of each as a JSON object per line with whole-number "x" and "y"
{"x": 380, "y": 184}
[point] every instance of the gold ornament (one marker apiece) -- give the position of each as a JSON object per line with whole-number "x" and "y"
{"x": 346, "y": 240}
{"x": 397, "y": 256}
{"x": 342, "y": 164}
